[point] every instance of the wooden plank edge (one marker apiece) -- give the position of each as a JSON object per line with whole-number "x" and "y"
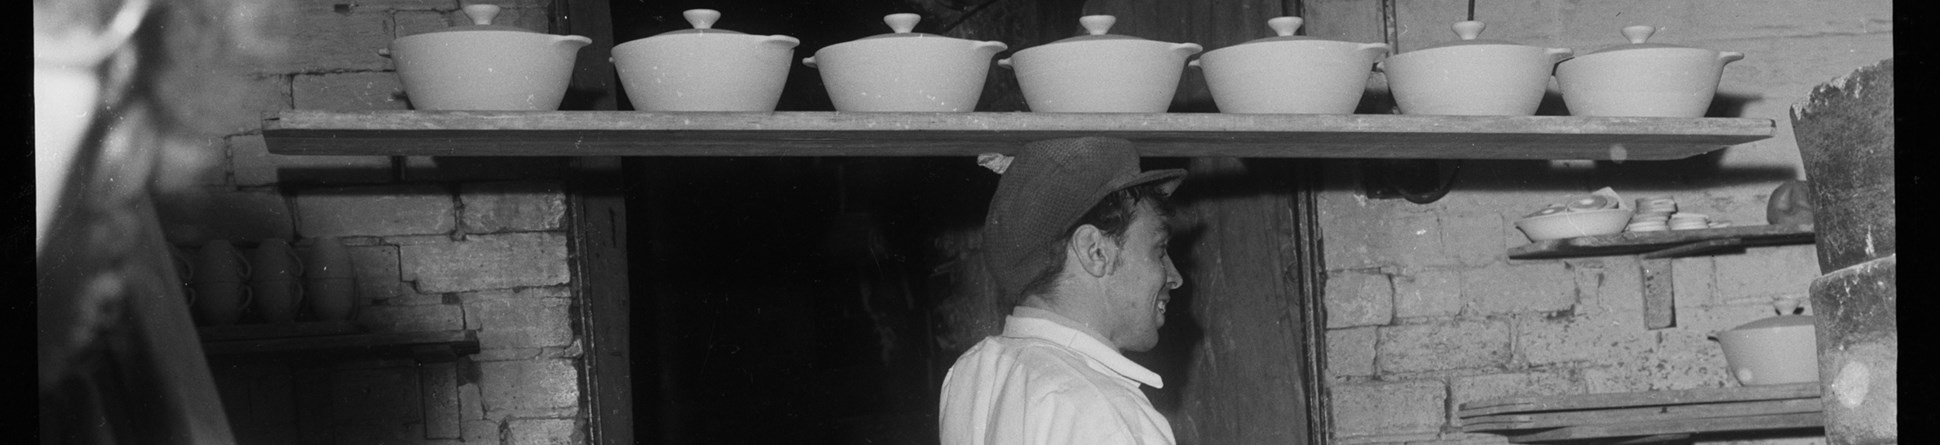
{"x": 1630, "y": 415}
{"x": 464, "y": 340}
{"x": 1681, "y": 426}
{"x": 1633, "y": 399}
{"x": 1639, "y": 242}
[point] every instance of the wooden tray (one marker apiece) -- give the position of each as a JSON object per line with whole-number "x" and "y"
{"x": 1645, "y": 415}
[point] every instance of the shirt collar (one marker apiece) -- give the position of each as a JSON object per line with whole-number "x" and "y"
{"x": 1042, "y": 324}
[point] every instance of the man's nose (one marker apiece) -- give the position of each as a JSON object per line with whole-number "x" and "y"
{"x": 1172, "y": 277}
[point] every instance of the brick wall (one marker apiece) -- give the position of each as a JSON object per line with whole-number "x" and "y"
{"x": 437, "y": 243}
{"x": 1425, "y": 311}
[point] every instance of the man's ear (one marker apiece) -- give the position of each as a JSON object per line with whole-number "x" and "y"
{"x": 1095, "y": 251}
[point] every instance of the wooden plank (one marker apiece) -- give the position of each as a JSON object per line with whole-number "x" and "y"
{"x": 628, "y": 133}
{"x": 1676, "y": 426}
{"x": 598, "y": 235}
{"x": 1643, "y": 414}
{"x": 1525, "y": 404}
{"x": 278, "y": 330}
{"x": 459, "y": 342}
{"x": 1644, "y": 242}
{"x": 1698, "y": 248}
{"x": 1660, "y": 298}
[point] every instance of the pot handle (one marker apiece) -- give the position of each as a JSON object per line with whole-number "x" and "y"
{"x": 1194, "y": 63}
{"x": 993, "y": 45}
{"x": 1730, "y": 56}
{"x": 1558, "y": 54}
{"x": 575, "y": 40}
{"x": 810, "y": 61}
{"x": 1187, "y": 48}
{"x": 1378, "y": 47}
{"x": 1381, "y": 66}
{"x": 1005, "y": 62}
{"x": 781, "y": 41}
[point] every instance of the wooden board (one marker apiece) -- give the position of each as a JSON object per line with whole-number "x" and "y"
{"x": 1529, "y": 404}
{"x": 630, "y": 133}
{"x": 1676, "y": 426}
{"x": 1521, "y": 421}
{"x": 391, "y": 343}
{"x": 277, "y": 330}
{"x": 1646, "y": 242}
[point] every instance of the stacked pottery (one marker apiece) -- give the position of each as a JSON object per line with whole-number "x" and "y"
{"x": 275, "y": 282}
{"x": 331, "y": 283}
{"x": 1653, "y": 214}
{"x": 184, "y": 264}
{"x": 219, "y": 284}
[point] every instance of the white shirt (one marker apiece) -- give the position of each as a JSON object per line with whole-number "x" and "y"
{"x": 1048, "y": 381}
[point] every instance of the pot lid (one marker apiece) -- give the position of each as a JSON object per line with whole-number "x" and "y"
{"x": 1637, "y": 35}
{"x": 703, "y": 21}
{"x": 902, "y": 24}
{"x": 1283, "y": 27}
{"x": 1096, "y": 28}
{"x": 1468, "y": 30}
{"x": 482, "y": 16}
{"x": 1778, "y": 322}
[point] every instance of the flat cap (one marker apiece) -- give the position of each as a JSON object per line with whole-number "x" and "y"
{"x": 1044, "y": 191}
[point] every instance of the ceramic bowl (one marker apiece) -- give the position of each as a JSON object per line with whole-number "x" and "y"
{"x": 1471, "y": 77}
{"x": 904, "y": 70}
{"x": 705, "y": 69}
{"x": 1100, "y": 72}
{"x": 1289, "y": 73}
{"x": 1773, "y": 351}
{"x": 1574, "y": 224}
{"x": 1642, "y": 79}
{"x": 484, "y": 66}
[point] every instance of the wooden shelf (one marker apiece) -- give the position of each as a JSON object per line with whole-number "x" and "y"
{"x": 1658, "y": 414}
{"x": 332, "y": 340}
{"x": 1663, "y": 243}
{"x": 631, "y": 133}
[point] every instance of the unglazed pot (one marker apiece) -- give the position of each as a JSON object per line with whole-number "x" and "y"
{"x": 705, "y": 69}
{"x": 275, "y": 280}
{"x": 220, "y": 293}
{"x": 484, "y": 66}
{"x": 1289, "y": 73}
{"x": 1100, "y": 72}
{"x": 1773, "y": 351}
{"x": 1471, "y": 76}
{"x": 1642, "y": 79}
{"x": 330, "y": 283}
{"x": 905, "y": 71}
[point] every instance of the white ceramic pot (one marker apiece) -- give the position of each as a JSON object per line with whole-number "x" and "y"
{"x": 1099, "y": 72}
{"x": 484, "y": 66}
{"x": 1773, "y": 351}
{"x": 705, "y": 69}
{"x": 1642, "y": 79}
{"x": 1471, "y": 77}
{"x": 1289, "y": 73}
{"x": 328, "y": 280}
{"x": 905, "y": 71}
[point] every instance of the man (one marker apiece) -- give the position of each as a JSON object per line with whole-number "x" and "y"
{"x": 1080, "y": 235}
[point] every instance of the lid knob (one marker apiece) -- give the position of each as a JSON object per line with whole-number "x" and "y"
{"x": 1284, "y": 26}
{"x": 1097, "y": 24}
{"x": 701, "y": 18}
{"x": 1638, "y": 33}
{"x": 481, "y": 14}
{"x": 1468, "y": 29}
{"x": 902, "y": 23}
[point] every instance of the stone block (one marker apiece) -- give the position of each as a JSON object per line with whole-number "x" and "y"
{"x": 1417, "y": 240}
{"x": 521, "y": 323}
{"x": 484, "y": 431}
{"x": 1443, "y": 346}
{"x": 442, "y": 418}
{"x": 1428, "y": 293}
{"x": 377, "y": 273}
{"x": 376, "y": 211}
{"x": 254, "y": 166}
{"x": 503, "y": 207}
{"x": 1495, "y": 386}
{"x": 528, "y": 388}
{"x": 191, "y": 217}
{"x": 1385, "y": 408}
{"x": 1348, "y": 241}
{"x": 488, "y": 262}
{"x": 1532, "y": 287}
{"x": 481, "y": 168}
{"x": 240, "y": 105}
{"x": 1472, "y": 238}
{"x": 1606, "y": 284}
{"x": 544, "y": 431}
{"x": 335, "y": 37}
{"x": 1350, "y": 352}
{"x": 357, "y": 91}
{"x": 1601, "y": 338}
{"x": 1358, "y": 298}
{"x": 420, "y": 318}
{"x": 1694, "y": 282}
{"x": 1767, "y": 272}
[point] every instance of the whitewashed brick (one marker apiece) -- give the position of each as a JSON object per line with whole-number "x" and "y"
{"x": 1602, "y": 338}
{"x": 488, "y": 262}
{"x": 1694, "y": 282}
{"x": 1350, "y": 352}
{"x": 1495, "y": 386}
{"x": 1389, "y": 408}
{"x": 498, "y": 207}
{"x": 484, "y": 431}
{"x": 544, "y": 431}
{"x": 1532, "y": 287}
{"x": 1473, "y": 238}
{"x": 377, "y": 273}
{"x": 1428, "y": 293}
{"x": 335, "y": 37}
{"x": 1347, "y": 241}
{"x": 240, "y": 107}
{"x": 254, "y": 165}
{"x": 1417, "y": 240}
{"x": 1358, "y": 298}
{"x": 1606, "y": 284}
{"x": 1443, "y": 346}
{"x": 521, "y": 323}
{"x": 419, "y": 318}
{"x": 358, "y": 91}
{"x": 191, "y": 217}
{"x": 376, "y": 211}
{"x": 441, "y": 406}
{"x": 528, "y": 388}
{"x": 1767, "y": 272}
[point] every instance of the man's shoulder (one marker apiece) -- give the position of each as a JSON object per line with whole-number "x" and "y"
{"x": 1043, "y": 361}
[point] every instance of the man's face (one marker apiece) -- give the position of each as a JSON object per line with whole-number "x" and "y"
{"x": 1142, "y": 283}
